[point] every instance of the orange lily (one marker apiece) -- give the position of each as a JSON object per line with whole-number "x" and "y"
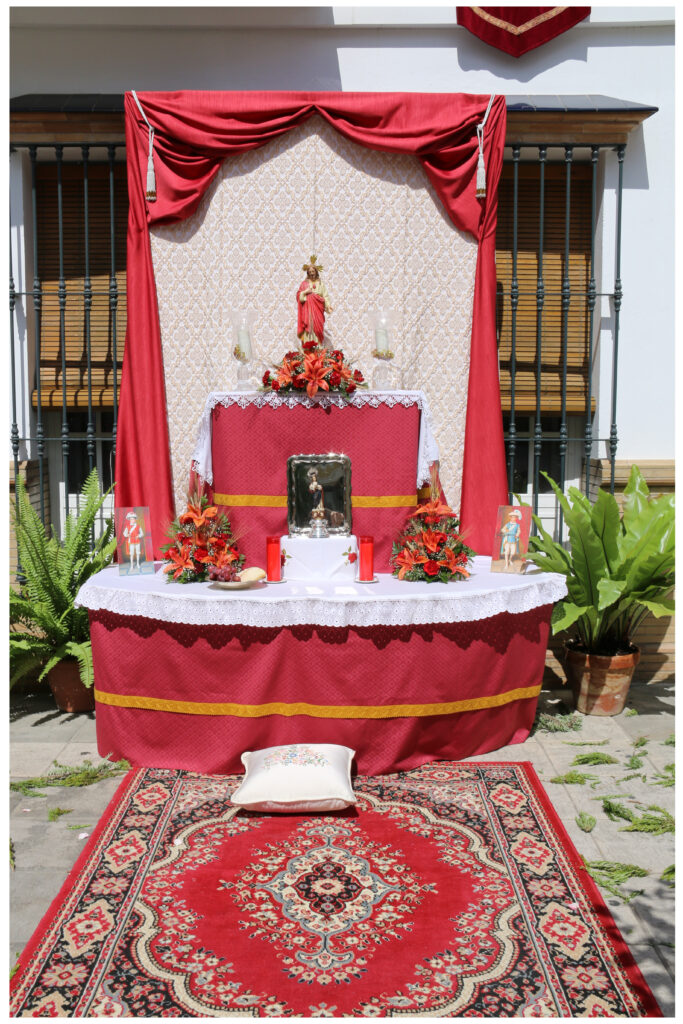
{"x": 180, "y": 559}
{"x": 225, "y": 558}
{"x": 433, "y": 508}
{"x": 432, "y": 541}
{"x": 287, "y": 371}
{"x": 197, "y": 515}
{"x": 407, "y": 560}
{"x": 452, "y": 562}
{"x": 314, "y": 372}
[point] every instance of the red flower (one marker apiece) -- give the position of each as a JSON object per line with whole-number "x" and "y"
{"x": 300, "y": 383}
{"x": 275, "y": 386}
{"x": 358, "y": 376}
{"x": 309, "y": 346}
{"x": 335, "y": 379}
{"x": 350, "y": 388}
{"x": 266, "y": 378}
{"x": 352, "y": 557}
{"x": 337, "y": 354}
{"x": 431, "y": 567}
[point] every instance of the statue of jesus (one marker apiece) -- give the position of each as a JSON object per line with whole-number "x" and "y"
{"x": 313, "y": 303}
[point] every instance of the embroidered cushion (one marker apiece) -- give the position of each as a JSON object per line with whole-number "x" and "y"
{"x": 300, "y": 777}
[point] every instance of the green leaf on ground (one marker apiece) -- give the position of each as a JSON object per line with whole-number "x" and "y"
{"x": 610, "y": 875}
{"x": 642, "y": 741}
{"x": 12, "y": 863}
{"x": 14, "y": 968}
{"x": 594, "y": 758}
{"x": 670, "y": 741}
{"x": 633, "y": 775}
{"x": 630, "y": 712}
{"x": 559, "y": 722}
{"x": 584, "y": 743}
{"x": 634, "y": 762}
{"x": 586, "y": 822}
{"x": 669, "y": 875}
{"x": 82, "y": 775}
{"x": 616, "y": 811}
{"x": 76, "y": 827}
{"x": 656, "y": 824}
{"x": 575, "y": 778}
{"x": 667, "y": 777}
{"x": 57, "y": 812}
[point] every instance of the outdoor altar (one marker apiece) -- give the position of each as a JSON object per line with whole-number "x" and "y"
{"x": 190, "y": 676}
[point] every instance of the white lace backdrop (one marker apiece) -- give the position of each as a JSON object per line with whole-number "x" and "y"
{"x": 383, "y": 238}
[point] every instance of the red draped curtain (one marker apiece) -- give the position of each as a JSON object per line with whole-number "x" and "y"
{"x": 194, "y": 132}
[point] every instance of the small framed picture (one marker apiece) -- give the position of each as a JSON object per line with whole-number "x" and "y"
{"x": 511, "y": 541}
{"x": 134, "y": 541}
{"x": 319, "y": 487}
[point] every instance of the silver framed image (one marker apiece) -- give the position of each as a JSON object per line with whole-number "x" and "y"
{"x": 319, "y": 494}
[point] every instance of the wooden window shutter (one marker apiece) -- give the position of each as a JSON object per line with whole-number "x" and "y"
{"x": 101, "y": 327}
{"x": 553, "y": 269}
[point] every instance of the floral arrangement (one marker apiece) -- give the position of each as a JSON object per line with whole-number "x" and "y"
{"x": 311, "y": 369}
{"x": 431, "y": 548}
{"x": 201, "y": 545}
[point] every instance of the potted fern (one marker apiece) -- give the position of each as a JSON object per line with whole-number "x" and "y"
{"x": 619, "y": 567}
{"x": 47, "y": 631}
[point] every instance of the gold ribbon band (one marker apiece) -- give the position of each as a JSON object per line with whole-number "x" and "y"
{"x": 518, "y": 30}
{"x": 192, "y": 707}
{"x": 280, "y": 500}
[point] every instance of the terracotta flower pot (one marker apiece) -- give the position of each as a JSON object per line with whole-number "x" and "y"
{"x": 600, "y": 683}
{"x": 67, "y": 689}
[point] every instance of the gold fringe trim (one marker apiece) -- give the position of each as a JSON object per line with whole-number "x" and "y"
{"x": 517, "y": 30}
{"x": 191, "y": 707}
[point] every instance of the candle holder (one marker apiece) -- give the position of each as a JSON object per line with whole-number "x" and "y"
{"x": 242, "y": 324}
{"x": 366, "y": 559}
{"x": 273, "y": 560}
{"x": 382, "y": 323}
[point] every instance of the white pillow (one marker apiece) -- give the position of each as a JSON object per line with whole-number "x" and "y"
{"x": 303, "y": 777}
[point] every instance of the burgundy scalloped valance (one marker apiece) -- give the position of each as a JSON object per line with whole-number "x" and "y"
{"x": 516, "y": 30}
{"x": 193, "y": 133}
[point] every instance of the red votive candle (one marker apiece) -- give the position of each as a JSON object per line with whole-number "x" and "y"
{"x": 366, "y": 561}
{"x": 273, "y": 562}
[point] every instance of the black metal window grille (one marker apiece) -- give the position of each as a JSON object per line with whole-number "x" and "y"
{"x": 84, "y": 434}
{"x": 74, "y": 238}
{"x": 548, "y": 438}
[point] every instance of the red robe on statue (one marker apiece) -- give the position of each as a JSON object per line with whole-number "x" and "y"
{"x": 311, "y": 313}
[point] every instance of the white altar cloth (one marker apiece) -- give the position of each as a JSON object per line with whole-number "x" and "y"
{"x": 427, "y": 451}
{"x": 389, "y": 602}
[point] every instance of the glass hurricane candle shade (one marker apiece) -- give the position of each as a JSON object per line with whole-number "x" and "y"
{"x": 366, "y": 559}
{"x": 382, "y": 323}
{"x": 242, "y": 350}
{"x": 273, "y": 560}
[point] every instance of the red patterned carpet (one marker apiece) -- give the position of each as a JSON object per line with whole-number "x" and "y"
{"x": 452, "y": 890}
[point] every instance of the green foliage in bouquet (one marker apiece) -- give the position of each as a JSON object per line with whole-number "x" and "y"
{"x": 201, "y": 545}
{"x": 618, "y": 567}
{"x": 46, "y": 627}
{"x": 431, "y": 549}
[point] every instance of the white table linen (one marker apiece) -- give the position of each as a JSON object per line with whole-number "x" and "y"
{"x": 389, "y": 602}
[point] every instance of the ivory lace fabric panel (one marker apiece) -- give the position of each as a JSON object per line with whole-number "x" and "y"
{"x": 383, "y": 238}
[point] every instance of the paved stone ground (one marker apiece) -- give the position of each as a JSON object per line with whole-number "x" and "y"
{"x": 45, "y": 851}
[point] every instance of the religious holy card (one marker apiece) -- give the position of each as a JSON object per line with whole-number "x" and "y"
{"x": 511, "y": 542}
{"x": 134, "y": 550}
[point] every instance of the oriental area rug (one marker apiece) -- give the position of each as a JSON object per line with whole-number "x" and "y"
{"x": 450, "y": 890}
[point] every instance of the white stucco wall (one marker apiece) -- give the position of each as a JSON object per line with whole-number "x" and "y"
{"x": 623, "y": 52}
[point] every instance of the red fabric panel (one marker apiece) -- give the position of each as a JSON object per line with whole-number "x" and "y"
{"x": 194, "y": 133}
{"x": 251, "y": 447}
{"x": 319, "y": 665}
{"x": 516, "y": 30}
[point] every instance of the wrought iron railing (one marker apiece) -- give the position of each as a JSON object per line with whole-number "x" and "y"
{"x": 537, "y": 438}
